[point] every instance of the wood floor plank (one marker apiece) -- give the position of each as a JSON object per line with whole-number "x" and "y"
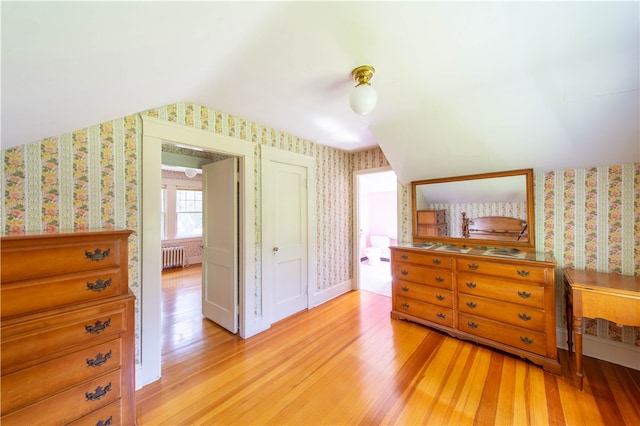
{"x": 347, "y": 362}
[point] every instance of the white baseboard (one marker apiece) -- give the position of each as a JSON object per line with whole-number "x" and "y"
{"x": 331, "y": 293}
{"x": 605, "y": 350}
{"x": 192, "y": 260}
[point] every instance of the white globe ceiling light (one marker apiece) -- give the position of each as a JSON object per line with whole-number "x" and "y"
{"x": 363, "y": 98}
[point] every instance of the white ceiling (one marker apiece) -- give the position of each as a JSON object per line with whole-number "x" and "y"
{"x": 462, "y": 87}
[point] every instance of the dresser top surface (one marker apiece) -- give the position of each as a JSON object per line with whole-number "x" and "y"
{"x": 62, "y": 233}
{"x": 479, "y": 251}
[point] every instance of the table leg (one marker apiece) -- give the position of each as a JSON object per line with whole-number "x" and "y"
{"x": 577, "y": 334}
{"x": 569, "y": 312}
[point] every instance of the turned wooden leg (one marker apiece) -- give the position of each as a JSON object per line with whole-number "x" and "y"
{"x": 577, "y": 335}
{"x": 569, "y": 313}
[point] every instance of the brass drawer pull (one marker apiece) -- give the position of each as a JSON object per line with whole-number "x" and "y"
{"x": 439, "y": 279}
{"x": 405, "y": 289}
{"x": 99, "y": 359}
{"x": 439, "y": 297}
{"x": 526, "y": 340}
{"x": 524, "y": 317}
{"x": 437, "y": 261}
{"x": 107, "y": 422}
{"x": 471, "y": 305}
{"x": 472, "y": 324}
{"x": 523, "y": 273}
{"x": 441, "y": 315}
{"x": 404, "y": 257}
{"x": 473, "y": 266}
{"x": 471, "y": 284}
{"x": 99, "y": 393}
{"x": 97, "y": 255}
{"x": 99, "y": 285}
{"x": 403, "y": 272}
{"x": 99, "y": 327}
{"x": 524, "y": 294}
{"x": 405, "y": 305}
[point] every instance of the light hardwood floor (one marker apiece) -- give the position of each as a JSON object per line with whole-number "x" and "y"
{"x": 347, "y": 362}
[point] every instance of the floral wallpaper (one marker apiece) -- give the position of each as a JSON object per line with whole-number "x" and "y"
{"x": 89, "y": 178}
{"x": 590, "y": 219}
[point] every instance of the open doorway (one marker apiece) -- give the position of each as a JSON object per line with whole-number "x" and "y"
{"x": 194, "y": 193}
{"x": 377, "y": 228}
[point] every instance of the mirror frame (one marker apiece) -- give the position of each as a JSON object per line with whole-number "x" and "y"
{"x": 525, "y": 246}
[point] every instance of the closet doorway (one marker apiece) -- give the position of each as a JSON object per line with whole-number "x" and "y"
{"x": 376, "y": 193}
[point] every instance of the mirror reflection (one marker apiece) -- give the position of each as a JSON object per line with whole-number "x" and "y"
{"x": 492, "y": 207}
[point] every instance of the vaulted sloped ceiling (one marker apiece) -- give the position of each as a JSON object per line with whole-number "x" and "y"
{"x": 462, "y": 87}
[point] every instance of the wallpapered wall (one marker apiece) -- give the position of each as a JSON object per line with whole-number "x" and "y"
{"x": 89, "y": 178}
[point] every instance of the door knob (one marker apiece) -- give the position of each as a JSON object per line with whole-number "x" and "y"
{"x": 275, "y": 249}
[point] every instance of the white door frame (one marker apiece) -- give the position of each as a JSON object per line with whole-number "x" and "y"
{"x": 356, "y": 220}
{"x": 269, "y": 154}
{"x": 154, "y": 132}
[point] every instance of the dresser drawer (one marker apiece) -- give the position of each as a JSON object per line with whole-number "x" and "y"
{"x": 31, "y": 384}
{"x": 105, "y": 416}
{"x": 424, "y": 293}
{"x": 424, "y": 259}
{"x": 44, "y": 260}
{"x": 69, "y": 405}
{"x": 41, "y": 337}
{"x": 45, "y": 293}
{"x": 521, "y": 338}
{"x": 427, "y": 311}
{"x": 417, "y": 274}
{"x": 504, "y": 290}
{"x": 519, "y": 315}
{"x": 516, "y": 272}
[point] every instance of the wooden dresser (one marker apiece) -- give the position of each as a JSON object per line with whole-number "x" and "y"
{"x": 67, "y": 331}
{"x": 432, "y": 223}
{"x": 502, "y": 302}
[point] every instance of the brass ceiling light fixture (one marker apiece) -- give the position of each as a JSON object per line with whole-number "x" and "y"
{"x": 363, "y": 98}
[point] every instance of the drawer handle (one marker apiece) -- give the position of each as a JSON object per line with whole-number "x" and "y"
{"x": 107, "y": 422}
{"x": 471, "y": 305}
{"x": 99, "y": 285}
{"x": 439, "y": 279}
{"x": 403, "y": 272}
{"x": 473, "y": 266}
{"x": 99, "y": 393}
{"x": 405, "y": 305}
{"x": 99, "y": 327}
{"x": 441, "y": 315}
{"x": 472, "y": 324}
{"x": 97, "y": 255}
{"x": 404, "y": 257}
{"x": 524, "y": 294}
{"x": 437, "y": 261}
{"x": 471, "y": 284}
{"x": 99, "y": 359}
{"x": 405, "y": 289}
{"x": 524, "y": 317}
{"x": 526, "y": 340}
{"x": 523, "y": 273}
{"x": 439, "y": 297}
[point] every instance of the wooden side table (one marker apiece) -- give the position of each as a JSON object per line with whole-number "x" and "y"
{"x": 599, "y": 295}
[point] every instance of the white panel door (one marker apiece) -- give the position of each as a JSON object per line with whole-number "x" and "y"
{"x": 219, "y": 240}
{"x": 287, "y": 236}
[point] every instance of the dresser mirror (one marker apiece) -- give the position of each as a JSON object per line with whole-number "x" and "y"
{"x": 490, "y": 209}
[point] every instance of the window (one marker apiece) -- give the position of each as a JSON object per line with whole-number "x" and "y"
{"x": 181, "y": 210}
{"x": 163, "y": 213}
{"x": 188, "y": 213}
